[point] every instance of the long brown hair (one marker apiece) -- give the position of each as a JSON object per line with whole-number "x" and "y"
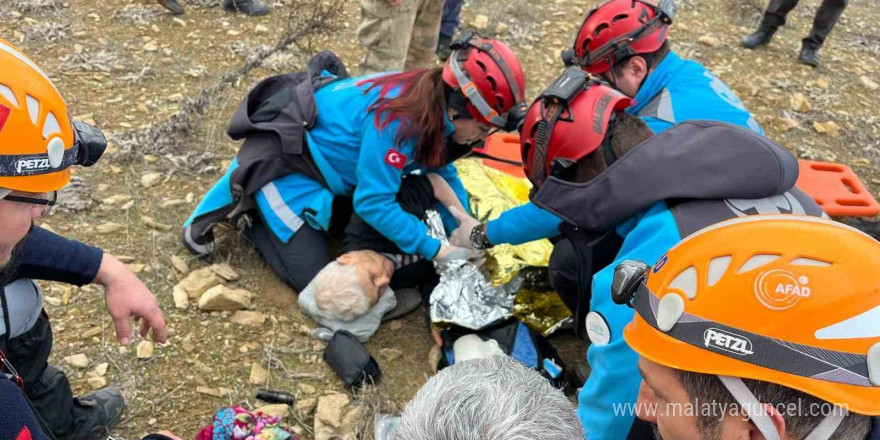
{"x": 418, "y": 106}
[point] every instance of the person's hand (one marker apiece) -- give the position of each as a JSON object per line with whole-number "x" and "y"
{"x": 126, "y": 296}
{"x": 449, "y": 253}
{"x": 461, "y": 236}
{"x": 395, "y": 3}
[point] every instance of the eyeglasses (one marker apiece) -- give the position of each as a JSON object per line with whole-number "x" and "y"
{"x": 46, "y": 200}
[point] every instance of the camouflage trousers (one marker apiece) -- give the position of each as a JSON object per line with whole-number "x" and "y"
{"x": 399, "y": 37}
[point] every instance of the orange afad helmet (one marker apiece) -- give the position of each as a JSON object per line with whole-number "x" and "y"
{"x": 38, "y": 141}
{"x": 789, "y": 300}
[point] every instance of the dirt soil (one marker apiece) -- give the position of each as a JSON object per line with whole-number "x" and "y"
{"x": 129, "y": 66}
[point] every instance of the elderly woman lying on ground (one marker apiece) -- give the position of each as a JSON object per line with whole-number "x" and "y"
{"x": 351, "y": 292}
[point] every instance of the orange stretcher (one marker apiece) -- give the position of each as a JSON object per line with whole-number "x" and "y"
{"x": 837, "y": 189}
{"x": 504, "y": 146}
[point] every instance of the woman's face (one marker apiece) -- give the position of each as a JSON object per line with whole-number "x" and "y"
{"x": 468, "y": 131}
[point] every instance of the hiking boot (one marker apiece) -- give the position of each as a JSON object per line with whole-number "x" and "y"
{"x": 98, "y": 412}
{"x": 443, "y": 50}
{"x": 760, "y": 37}
{"x": 809, "y": 56}
{"x": 250, "y": 7}
{"x": 172, "y": 5}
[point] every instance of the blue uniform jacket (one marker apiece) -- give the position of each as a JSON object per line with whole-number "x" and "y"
{"x": 357, "y": 159}
{"x": 677, "y": 90}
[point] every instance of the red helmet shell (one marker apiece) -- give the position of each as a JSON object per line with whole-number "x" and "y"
{"x": 611, "y": 21}
{"x": 578, "y": 131}
{"x": 488, "y": 78}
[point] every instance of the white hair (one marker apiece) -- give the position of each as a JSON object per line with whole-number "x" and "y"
{"x": 493, "y": 398}
{"x": 339, "y": 292}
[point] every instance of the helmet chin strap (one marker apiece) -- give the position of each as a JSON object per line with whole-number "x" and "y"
{"x": 758, "y": 415}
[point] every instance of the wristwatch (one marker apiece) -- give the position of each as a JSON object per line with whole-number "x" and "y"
{"x": 479, "y": 239}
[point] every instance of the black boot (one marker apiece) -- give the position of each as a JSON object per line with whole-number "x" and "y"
{"x": 98, "y": 413}
{"x": 760, "y": 37}
{"x": 443, "y": 50}
{"x": 172, "y": 5}
{"x": 249, "y": 7}
{"x": 809, "y": 56}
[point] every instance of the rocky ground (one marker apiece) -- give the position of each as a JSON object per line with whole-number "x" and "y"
{"x": 163, "y": 88}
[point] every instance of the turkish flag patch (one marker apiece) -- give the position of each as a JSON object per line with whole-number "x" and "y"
{"x": 395, "y": 158}
{"x": 4, "y": 114}
{"x": 25, "y": 434}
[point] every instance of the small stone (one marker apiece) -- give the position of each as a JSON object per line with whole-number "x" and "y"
{"x": 221, "y": 298}
{"x": 331, "y": 409}
{"x": 109, "y": 228}
{"x": 390, "y": 353}
{"x": 307, "y": 389}
{"x": 150, "y": 47}
{"x": 181, "y": 298}
{"x": 150, "y": 180}
{"x": 97, "y": 382}
{"x": 53, "y": 301}
{"x": 199, "y": 281}
{"x": 822, "y": 83}
{"x": 118, "y": 199}
{"x": 152, "y": 223}
{"x": 710, "y": 41}
{"x": 306, "y": 406}
{"x": 174, "y": 97}
{"x": 145, "y": 350}
{"x": 830, "y": 128}
{"x": 501, "y": 28}
{"x": 188, "y": 345}
{"x": 800, "y": 103}
{"x": 480, "y": 22}
{"x": 233, "y": 33}
{"x": 179, "y": 21}
{"x": 787, "y": 124}
{"x": 259, "y": 375}
{"x": 179, "y": 264}
{"x": 101, "y": 369}
{"x": 396, "y": 325}
{"x": 79, "y": 361}
{"x": 867, "y": 82}
{"x": 248, "y": 318}
{"x": 277, "y": 410}
{"x": 94, "y": 331}
{"x": 172, "y": 203}
{"x": 225, "y": 271}
{"x": 209, "y": 391}
{"x": 260, "y": 29}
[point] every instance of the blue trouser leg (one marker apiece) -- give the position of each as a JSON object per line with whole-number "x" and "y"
{"x": 451, "y": 17}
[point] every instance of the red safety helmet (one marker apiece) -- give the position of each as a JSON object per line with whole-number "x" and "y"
{"x": 567, "y": 122}
{"x": 621, "y": 28}
{"x": 488, "y": 74}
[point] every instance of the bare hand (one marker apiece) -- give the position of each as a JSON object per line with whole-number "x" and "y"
{"x": 126, "y": 296}
{"x": 461, "y": 236}
{"x": 395, "y": 3}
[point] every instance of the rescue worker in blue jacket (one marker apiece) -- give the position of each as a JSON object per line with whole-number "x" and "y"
{"x": 368, "y": 132}
{"x": 624, "y": 42}
{"x": 604, "y": 173}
